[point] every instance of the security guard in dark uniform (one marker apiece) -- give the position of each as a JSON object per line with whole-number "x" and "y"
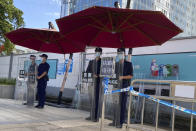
{"x": 124, "y": 72}
{"x": 94, "y": 68}
{"x": 42, "y": 78}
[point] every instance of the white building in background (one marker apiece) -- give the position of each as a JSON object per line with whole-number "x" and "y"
{"x": 67, "y": 7}
{"x": 22, "y": 50}
{"x": 180, "y": 12}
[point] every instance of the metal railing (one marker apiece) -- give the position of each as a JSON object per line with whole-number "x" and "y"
{"x": 170, "y": 98}
{"x": 174, "y": 99}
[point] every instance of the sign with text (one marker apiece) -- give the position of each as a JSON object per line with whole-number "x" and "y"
{"x": 107, "y": 66}
{"x": 185, "y": 91}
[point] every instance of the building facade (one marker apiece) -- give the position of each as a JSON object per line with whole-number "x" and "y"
{"x": 180, "y": 12}
{"x": 73, "y": 6}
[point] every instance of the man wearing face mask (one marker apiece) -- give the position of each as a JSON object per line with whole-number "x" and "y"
{"x": 124, "y": 72}
{"x": 42, "y": 78}
{"x": 94, "y": 90}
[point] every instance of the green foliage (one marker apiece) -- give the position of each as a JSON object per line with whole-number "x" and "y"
{"x": 5, "y": 81}
{"x": 10, "y": 19}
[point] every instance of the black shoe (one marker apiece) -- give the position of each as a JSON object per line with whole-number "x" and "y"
{"x": 37, "y": 106}
{"x": 119, "y": 126}
{"x": 40, "y": 107}
{"x": 111, "y": 124}
{"x": 88, "y": 118}
{"x": 95, "y": 120}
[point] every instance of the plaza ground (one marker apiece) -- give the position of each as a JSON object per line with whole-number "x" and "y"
{"x": 17, "y": 117}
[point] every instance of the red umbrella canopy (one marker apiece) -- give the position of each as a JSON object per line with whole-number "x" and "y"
{"x": 46, "y": 40}
{"x": 116, "y": 28}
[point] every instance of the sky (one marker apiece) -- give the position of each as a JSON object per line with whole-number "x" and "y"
{"x": 37, "y": 13}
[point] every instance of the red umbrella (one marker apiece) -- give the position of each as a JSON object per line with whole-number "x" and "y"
{"x": 46, "y": 40}
{"x": 114, "y": 27}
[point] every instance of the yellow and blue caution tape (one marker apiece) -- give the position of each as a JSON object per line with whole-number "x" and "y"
{"x": 106, "y": 92}
{"x": 118, "y": 90}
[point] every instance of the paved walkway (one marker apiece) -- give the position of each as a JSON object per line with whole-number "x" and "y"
{"x": 17, "y": 117}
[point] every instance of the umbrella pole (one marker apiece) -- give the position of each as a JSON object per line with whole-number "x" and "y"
{"x": 130, "y": 95}
{"x": 130, "y": 54}
{"x": 64, "y": 79}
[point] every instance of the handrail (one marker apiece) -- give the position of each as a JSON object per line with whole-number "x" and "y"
{"x": 161, "y": 81}
{"x": 174, "y": 99}
{"x": 153, "y": 98}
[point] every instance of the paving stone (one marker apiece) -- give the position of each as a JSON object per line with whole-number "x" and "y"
{"x": 17, "y": 117}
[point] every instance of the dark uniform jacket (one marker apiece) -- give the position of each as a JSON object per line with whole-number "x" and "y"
{"x": 43, "y": 67}
{"x": 91, "y": 67}
{"x": 127, "y": 70}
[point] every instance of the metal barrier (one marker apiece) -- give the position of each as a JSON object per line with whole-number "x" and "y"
{"x": 157, "y": 99}
{"x": 174, "y": 99}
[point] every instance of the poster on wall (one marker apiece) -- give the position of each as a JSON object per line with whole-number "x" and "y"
{"x": 164, "y": 70}
{"x": 176, "y": 66}
{"x": 62, "y": 67}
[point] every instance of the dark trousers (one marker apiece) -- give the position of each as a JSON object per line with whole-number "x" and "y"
{"x": 123, "y": 107}
{"x": 119, "y": 108}
{"x": 41, "y": 91}
{"x": 96, "y": 102}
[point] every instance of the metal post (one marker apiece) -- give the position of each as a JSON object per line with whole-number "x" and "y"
{"x": 10, "y": 66}
{"x": 173, "y": 116}
{"x": 157, "y": 117}
{"x": 64, "y": 79}
{"x": 191, "y": 127}
{"x": 129, "y": 111}
{"x": 143, "y": 106}
{"x": 103, "y": 113}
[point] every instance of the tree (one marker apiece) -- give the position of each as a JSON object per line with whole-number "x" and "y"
{"x": 1, "y": 49}
{"x": 10, "y": 19}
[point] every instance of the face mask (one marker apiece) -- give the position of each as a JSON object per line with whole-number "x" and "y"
{"x": 117, "y": 58}
{"x": 126, "y": 58}
{"x": 120, "y": 56}
{"x": 97, "y": 54}
{"x": 41, "y": 59}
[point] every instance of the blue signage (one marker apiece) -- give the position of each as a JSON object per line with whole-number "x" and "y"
{"x": 62, "y": 67}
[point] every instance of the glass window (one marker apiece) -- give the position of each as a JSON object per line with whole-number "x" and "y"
{"x": 149, "y": 91}
{"x": 165, "y": 92}
{"x": 167, "y": 4}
